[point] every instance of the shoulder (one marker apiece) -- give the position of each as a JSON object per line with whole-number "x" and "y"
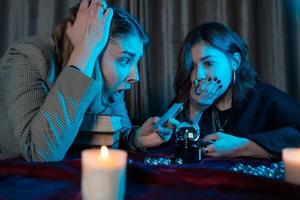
{"x": 268, "y": 93}
{"x": 268, "y": 90}
{"x": 34, "y": 47}
{"x": 35, "y": 52}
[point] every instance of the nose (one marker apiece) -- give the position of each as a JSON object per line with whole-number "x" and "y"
{"x": 133, "y": 74}
{"x": 200, "y": 72}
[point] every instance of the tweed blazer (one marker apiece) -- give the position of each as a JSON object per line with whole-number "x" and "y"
{"x": 43, "y": 105}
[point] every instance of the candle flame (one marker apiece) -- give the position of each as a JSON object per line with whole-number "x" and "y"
{"x": 104, "y": 153}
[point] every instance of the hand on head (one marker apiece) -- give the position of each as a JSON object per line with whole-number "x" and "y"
{"x": 89, "y": 34}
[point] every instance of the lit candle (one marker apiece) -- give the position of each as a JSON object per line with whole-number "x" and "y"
{"x": 291, "y": 159}
{"x": 103, "y": 174}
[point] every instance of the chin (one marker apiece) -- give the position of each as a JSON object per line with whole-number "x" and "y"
{"x": 204, "y": 104}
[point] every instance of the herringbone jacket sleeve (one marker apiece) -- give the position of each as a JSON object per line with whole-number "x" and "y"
{"x": 44, "y": 109}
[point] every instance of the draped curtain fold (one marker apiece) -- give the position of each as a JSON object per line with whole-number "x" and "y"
{"x": 271, "y": 29}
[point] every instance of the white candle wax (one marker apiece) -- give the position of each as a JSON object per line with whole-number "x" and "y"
{"x": 103, "y": 174}
{"x": 291, "y": 159}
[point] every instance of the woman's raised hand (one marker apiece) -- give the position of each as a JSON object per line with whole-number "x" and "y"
{"x": 89, "y": 34}
{"x": 204, "y": 92}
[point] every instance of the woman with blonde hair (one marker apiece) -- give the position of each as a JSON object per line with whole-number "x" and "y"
{"x": 49, "y": 83}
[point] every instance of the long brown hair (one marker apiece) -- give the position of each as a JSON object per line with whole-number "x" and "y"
{"x": 224, "y": 39}
{"x": 122, "y": 23}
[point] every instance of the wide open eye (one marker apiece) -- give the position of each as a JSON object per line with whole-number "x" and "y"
{"x": 124, "y": 60}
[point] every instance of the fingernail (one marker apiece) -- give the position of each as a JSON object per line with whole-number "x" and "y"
{"x": 218, "y": 81}
{"x": 215, "y": 79}
{"x": 209, "y": 79}
{"x": 220, "y": 86}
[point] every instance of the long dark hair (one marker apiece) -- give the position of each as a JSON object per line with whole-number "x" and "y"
{"x": 122, "y": 24}
{"x": 224, "y": 39}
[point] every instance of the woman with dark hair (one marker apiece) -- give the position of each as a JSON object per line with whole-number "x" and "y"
{"x": 239, "y": 115}
{"x": 49, "y": 83}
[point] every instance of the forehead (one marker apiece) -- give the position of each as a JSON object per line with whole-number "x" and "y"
{"x": 128, "y": 43}
{"x": 202, "y": 49}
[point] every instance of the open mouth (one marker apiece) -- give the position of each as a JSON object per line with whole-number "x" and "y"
{"x": 120, "y": 92}
{"x": 123, "y": 88}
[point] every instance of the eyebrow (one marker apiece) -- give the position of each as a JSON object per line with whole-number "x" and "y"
{"x": 206, "y": 57}
{"x": 130, "y": 53}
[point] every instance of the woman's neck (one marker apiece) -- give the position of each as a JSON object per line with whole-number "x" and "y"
{"x": 196, "y": 111}
{"x": 226, "y": 101}
{"x": 195, "y": 115}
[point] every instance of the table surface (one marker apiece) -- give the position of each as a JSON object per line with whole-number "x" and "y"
{"x": 208, "y": 179}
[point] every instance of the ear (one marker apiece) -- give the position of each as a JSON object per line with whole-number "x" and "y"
{"x": 235, "y": 61}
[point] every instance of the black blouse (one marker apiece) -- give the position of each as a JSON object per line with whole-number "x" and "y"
{"x": 268, "y": 117}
